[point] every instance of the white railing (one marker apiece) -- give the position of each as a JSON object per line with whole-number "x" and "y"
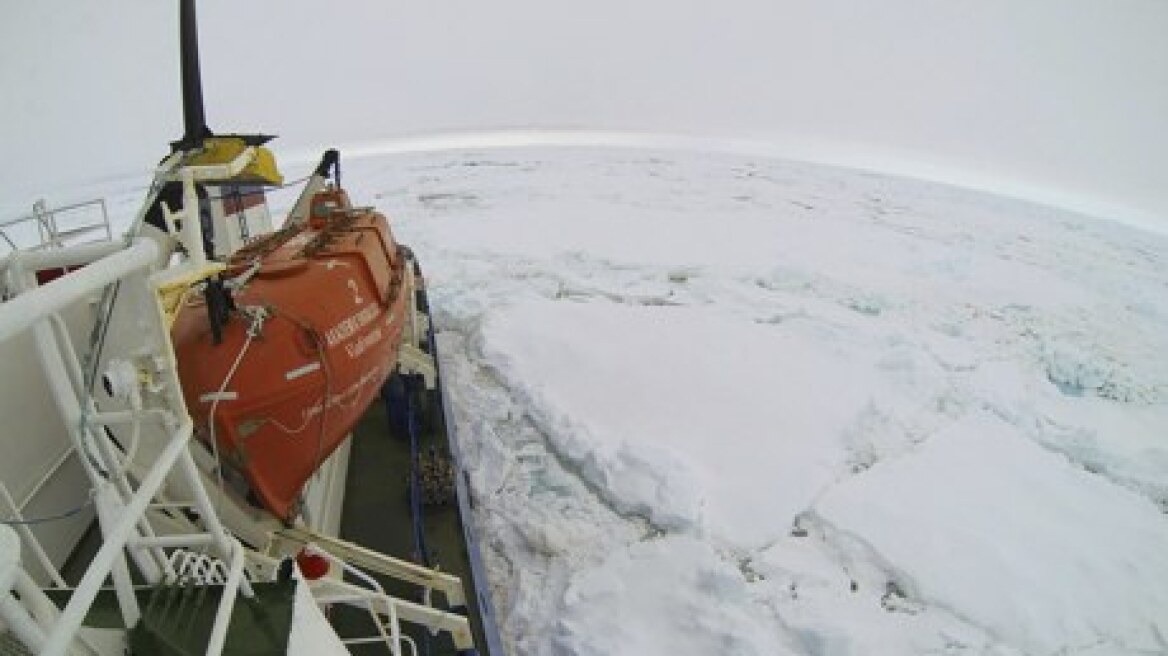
{"x": 291, "y": 540}
{"x": 386, "y": 611}
{"x": 55, "y": 227}
{"x": 372, "y": 598}
{"x": 389, "y": 612}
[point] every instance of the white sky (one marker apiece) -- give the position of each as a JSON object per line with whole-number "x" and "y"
{"x": 1059, "y": 100}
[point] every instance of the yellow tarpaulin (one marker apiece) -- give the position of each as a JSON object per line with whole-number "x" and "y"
{"x": 222, "y": 150}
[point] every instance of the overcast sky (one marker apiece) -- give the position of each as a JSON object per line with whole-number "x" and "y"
{"x": 1060, "y": 100}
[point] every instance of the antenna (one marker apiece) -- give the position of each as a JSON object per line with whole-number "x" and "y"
{"x": 194, "y": 120}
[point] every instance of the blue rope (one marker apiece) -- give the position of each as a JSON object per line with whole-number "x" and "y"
{"x": 415, "y": 491}
{"x": 415, "y": 466}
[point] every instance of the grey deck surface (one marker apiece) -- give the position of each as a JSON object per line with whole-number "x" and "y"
{"x": 377, "y": 515}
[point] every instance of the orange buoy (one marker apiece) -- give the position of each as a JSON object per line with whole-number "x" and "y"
{"x": 320, "y": 309}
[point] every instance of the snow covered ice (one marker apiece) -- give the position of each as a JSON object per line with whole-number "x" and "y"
{"x": 984, "y": 522}
{"x": 721, "y": 404}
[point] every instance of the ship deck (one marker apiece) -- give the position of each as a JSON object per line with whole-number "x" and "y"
{"x": 377, "y": 514}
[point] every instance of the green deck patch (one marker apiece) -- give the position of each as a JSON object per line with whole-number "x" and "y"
{"x": 177, "y": 620}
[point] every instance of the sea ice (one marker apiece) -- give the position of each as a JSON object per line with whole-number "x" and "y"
{"x": 1018, "y": 540}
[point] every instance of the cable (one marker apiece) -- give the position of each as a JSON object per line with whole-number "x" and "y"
{"x": 293, "y": 182}
{"x": 97, "y": 335}
{"x": 50, "y": 518}
{"x": 237, "y": 193}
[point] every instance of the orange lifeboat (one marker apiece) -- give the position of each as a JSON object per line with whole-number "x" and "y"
{"x": 319, "y": 310}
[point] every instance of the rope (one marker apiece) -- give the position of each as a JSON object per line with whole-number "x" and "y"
{"x": 258, "y": 316}
{"x": 415, "y": 492}
{"x": 252, "y": 331}
{"x": 328, "y": 384}
{"x": 415, "y": 501}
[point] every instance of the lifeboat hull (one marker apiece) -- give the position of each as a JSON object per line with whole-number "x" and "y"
{"x": 316, "y": 330}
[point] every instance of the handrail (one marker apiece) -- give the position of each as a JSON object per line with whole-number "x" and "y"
{"x": 34, "y": 305}
{"x": 332, "y": 591}
{"x": 56, "y": 210}
{"x": 376, "y": 592}
{"x": 387, "y": 610}
{"x": 49, "y": 232}
{"x": 448, "y": 584}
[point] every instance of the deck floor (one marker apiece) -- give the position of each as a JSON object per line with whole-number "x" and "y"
{"x": 377, "y": 515}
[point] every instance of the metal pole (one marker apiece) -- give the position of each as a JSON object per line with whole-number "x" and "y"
{"x": 194, "y": 120}
{"x": 66, "y": 257}
{"x": 19, "y": 313}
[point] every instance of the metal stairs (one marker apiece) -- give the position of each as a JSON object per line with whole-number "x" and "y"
{"x": 177, "y": 620}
